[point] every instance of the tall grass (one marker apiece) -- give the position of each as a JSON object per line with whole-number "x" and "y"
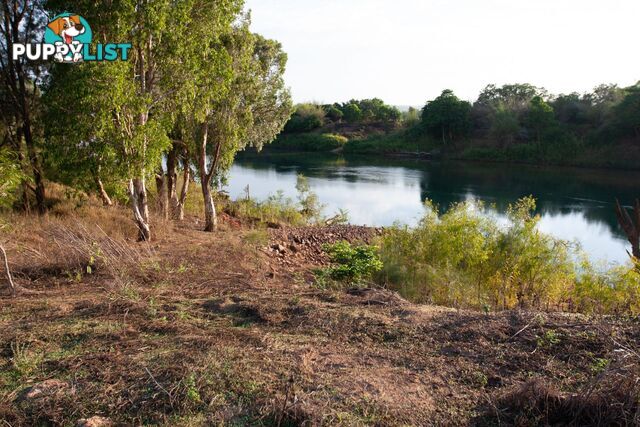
{"x": 466, "y": 258}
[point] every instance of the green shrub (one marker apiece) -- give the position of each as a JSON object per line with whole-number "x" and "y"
{"x": 465, "y": 258}
{"x": 353, "y": 264}
{"x": 11, "y": 176}
{"x": 309, "y": 142}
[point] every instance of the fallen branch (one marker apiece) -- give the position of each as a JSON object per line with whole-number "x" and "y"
{"x": 7, "y": 271}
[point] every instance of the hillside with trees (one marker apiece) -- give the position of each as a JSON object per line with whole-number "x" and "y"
{"x": 514, "y": 123}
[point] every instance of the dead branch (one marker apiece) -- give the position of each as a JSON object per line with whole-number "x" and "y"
{"x": 7, "y": 271}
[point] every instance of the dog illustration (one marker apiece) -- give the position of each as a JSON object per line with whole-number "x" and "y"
{"x": 67, "y": 27}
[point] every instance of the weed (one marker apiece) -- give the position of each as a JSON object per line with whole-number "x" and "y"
{"x": 193, "y": 394}
{"x": 354, "y": 263}
{"x": 548, "y": 339}
{"x": 25, "y": 360}
{"x": 257, "y": 237}
{"x": 599, "y": 365}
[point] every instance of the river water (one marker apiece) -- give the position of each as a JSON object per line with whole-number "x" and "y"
{"x": 574, "y": 204}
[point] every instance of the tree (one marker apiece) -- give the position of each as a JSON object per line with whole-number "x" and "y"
{"x": 148, "y": 90}
{"x": 627, "y": 113}
{"x": 248, "y": 107}
{"x": 78, "y": 127}
{"x": 307, "y": 117}
{"x": 11, "y": 177}
{"x": 333, "y": 113}
{"x": 512, "y": 97}
{"x": 447, "y": 117}
{"x": 352, "y": 112}
{"x": 505, "y": 127}
{"x": 540, "y": 116}
{"x": 22, "y": 22}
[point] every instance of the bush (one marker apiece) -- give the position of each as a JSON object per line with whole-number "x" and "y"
{"x": 309, "y": 142}
{"x": 354, "y": 264}
{"x": 306, "y": 118}
{"x": 465, "y": 258}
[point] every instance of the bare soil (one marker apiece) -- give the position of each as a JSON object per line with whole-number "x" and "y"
{"x": 228, "y": 328}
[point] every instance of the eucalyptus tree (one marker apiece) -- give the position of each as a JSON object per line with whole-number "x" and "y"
{"x": 239, "y": 99}
{"x": 22, "y": 22}
{"x": 144, "y": 92}
{"x": 80, "y": 103}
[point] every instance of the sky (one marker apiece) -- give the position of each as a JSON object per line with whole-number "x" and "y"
{"x": 407, "y": 51}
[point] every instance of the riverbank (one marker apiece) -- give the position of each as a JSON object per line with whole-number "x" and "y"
{"x": 199, "y": 329}
{"x": 409, "y": 143}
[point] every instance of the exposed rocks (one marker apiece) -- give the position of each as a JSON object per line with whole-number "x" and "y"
{"x": 95, "y": 421}
{"x": 303, "y": 245}
{"x": 45, "y": 388}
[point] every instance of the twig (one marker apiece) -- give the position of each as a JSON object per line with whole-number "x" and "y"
{"x": 523, "y": 329}
{"x": 8, "y": 272}
{"x": 158, "y": 384}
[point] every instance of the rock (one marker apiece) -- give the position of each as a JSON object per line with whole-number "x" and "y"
{"x": 43, "y": 389}
{"x": 95, "y": 421}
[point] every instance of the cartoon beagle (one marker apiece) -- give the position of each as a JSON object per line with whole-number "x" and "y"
{"x": 67, "y": 28}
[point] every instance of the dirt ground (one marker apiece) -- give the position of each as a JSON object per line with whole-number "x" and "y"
{"x": 229, "y": 329}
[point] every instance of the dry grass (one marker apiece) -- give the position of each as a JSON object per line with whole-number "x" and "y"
{"x": 206, "y": 329}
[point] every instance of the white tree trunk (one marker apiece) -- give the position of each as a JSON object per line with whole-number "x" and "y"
{"x": 138, "y": 199}
{"x": 183, "y": 193}
{"x": 210, "y": 217}
{"x": 104, "y": 196}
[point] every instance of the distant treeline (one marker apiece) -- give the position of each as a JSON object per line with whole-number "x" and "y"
{"x": 518, "y": 122}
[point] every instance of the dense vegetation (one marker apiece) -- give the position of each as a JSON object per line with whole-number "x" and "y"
{"x": 193, "y": 99}
{"x": 465, "y": 258}
{"x": 516, "y": 122}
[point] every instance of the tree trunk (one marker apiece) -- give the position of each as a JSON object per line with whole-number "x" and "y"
{"x": 210, "y": 218}
{"x": 138, "y": 199}
{"x": 34, "y": 160}
{"x": 172, "y": 178}
{"x": 26, "y": 206}
{"x": 162, "y": 203}
{"x": 186, "y": 178}
{"x": 631, "y": 226}
{"x": 104, "y": 196}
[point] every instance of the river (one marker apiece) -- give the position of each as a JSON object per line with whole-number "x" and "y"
{"x": 574, "y": 204}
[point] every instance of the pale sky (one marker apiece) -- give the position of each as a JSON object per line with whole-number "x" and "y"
{"x": 408, "y": 51}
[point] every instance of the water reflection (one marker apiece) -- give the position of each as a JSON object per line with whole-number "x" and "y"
{"x": 575, "y": 204}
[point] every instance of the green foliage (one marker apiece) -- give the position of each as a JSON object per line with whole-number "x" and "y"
{"x": 307, "y": 117}
{"x": 548, "y": 339}
{"x": 505, "y": 127}
{"x": 309, "y": 142}
{"x": 311, "y": 207}
{"x": 540, "y": 116}
{"x": 278, "y": 208}
{"x": 352, "y": 112}
{"x": 464, "y": 258}
{"x": 354, "y": 264}
{"x": 606, "y": 290}
{"x": 11, "y": 176}
{"x": 275, "y": 209}
{"x": 447, "y": 117}
{"x": 627, "y": 113}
